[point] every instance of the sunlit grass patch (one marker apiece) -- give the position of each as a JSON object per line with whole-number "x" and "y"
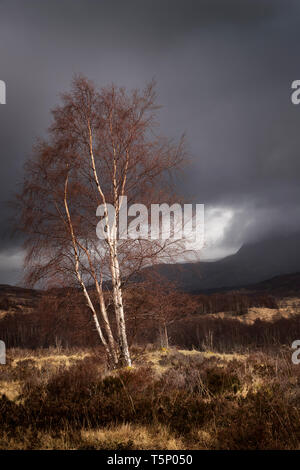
{"x": 129, "y": 436}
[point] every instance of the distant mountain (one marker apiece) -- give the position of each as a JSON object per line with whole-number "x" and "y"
{"x": 286, "y": 285}
{"x": 271, "y": 266}
{"x": 253, "y": 263}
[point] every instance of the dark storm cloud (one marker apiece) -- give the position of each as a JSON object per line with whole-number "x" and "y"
{"x": 224, "y": 70}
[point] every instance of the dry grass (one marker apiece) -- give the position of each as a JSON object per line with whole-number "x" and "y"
{"x": 287, "y": 308}
{"x": 31, "y": 440}
{"x": 169, "y": 399}
{"x": 125, "y": 436}
{"x": 39, "y": 356}
{"x": 11, "y": 389}
{"x": 128, "y": 436}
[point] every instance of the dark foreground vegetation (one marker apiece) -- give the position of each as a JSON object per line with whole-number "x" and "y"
{"x": 168, "y": 400}
{"x": 222, "y": 383}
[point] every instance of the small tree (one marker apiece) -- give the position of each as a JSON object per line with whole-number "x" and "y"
{"x": 101, "y": 148}
{"x": 167, "y": 306}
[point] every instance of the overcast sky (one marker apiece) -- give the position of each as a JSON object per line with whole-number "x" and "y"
{"x": 224, "y": 70}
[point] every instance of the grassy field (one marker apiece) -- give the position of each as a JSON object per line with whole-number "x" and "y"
{"x": 169, "y": 399}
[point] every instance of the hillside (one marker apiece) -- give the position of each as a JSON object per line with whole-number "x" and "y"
{"x": 17, "y": 299}
{"x": 252, "y": 264}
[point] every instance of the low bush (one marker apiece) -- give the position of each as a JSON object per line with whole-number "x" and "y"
{"x": 201, "y": 401}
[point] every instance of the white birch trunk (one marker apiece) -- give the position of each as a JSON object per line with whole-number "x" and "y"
{"x": 85, "y": 292}
{"x": 119, "y": 308}
{"x": 114, "y": 263}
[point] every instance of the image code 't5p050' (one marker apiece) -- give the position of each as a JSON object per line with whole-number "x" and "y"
{"x": 175, "y": 459}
